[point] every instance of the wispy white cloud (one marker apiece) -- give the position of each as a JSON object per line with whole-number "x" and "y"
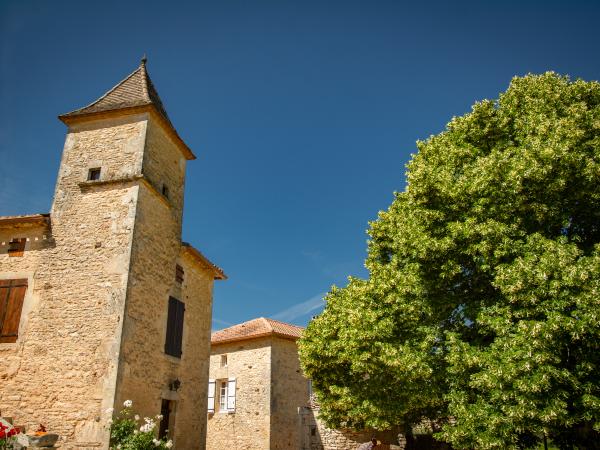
{"x": 218, "y": 324}
{"x": 301, "y": 309}
{"x": 336, "y": 270}
{"x": 221, "y": 322}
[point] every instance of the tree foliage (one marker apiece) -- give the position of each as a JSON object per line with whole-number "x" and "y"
{"x": 483, "y": 298}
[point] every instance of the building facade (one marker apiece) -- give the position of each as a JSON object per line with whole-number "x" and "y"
{"x": 259, "y": 399}
{"x": 255, "y": 387}
{"x": 100, "y": 300}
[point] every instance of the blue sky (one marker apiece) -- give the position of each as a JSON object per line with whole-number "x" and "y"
{"x": 302, "y": 114}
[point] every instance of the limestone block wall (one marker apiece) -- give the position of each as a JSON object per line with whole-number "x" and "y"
{"x": 191, "y": 411}
{"x": 289, "y": 392}
{"x": 163, "y": 164}
{"x": 39, "y": 243}
{"x": 249, "y": 426}
{"x": 317, "y": 436}
{"x": 145, "y": 370}
{"x": 67, "y": 355}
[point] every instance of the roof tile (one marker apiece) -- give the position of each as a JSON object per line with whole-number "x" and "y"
{"x": 257, "y": 328}
{"x": 136, "y": 89}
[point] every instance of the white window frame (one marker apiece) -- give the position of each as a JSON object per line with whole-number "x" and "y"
{"x": 224, "y": 360}
{"x": 223, "y": 385}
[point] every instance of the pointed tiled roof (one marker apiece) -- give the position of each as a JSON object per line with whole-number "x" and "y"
{"x": 136, "y": 90}
{"x": 257, "y": 328}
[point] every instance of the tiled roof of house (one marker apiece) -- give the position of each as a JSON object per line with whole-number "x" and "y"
{"x": 136, "y": 90}
{"x": 257, "y": 328}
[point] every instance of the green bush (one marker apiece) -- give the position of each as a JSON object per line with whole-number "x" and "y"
{"x": 129, "y": 432}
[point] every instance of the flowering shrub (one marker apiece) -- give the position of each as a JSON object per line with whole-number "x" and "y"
{"x": 7, "y": 436}
{"x": 128, "y": 432}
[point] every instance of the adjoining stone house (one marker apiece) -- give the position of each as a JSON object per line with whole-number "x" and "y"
{"x": 100, "y": 300}
{"x": 259, "y": 399}
{"x": 255, "y": 387}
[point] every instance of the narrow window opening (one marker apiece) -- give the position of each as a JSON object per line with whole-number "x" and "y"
{"x": 16, "y": 247}
{"x": 179, "y": 273}
{"x": 167, "y": 409}
{"x": 165, "y": 191}
{"x": 174, "y": 337}
{"x": 223, "y": 360}
{"x": 94, "y": 174}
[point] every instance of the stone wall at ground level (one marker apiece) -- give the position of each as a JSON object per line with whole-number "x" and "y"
{"x": 317, "y": 436}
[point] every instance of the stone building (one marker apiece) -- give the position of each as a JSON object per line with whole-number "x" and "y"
{"x": 255, "y": 387}
{"x": 100, "y": 300}
{"x": 259, "y": 399}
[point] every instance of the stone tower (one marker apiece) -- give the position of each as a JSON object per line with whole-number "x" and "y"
{"x": 117, "y": 307}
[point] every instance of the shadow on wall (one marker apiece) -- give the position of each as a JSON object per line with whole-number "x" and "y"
{"x": 315, "y": 435}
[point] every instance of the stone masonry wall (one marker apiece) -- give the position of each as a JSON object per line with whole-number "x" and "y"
{"x": 289, "y": 392}
{"x": 317, "y": 436}
{"x": 249, "y": 426}
{"x": 63, "y": 367}
{"x": 145, "y": 370}
{"x": 191, "y": 412}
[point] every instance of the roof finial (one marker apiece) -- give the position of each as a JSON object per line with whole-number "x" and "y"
{"x": 144, "y": 59}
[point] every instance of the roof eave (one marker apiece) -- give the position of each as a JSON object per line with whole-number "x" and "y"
{"x": 30, "y": 220}
{"x": 76, "y": 117}
{"x": 204, "y": 261}
{"x": 255, "y": 336}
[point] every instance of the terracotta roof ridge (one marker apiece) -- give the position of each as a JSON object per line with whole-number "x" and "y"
{"x": 256, "y": 328}
{"x": 266, "y": 322}
{"x": 283, "y": 323}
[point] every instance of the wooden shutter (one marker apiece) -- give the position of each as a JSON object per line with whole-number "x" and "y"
{"x": 12, "y": 294}
{"x": 231, "y": 395}
{"x": 179, "y": 273}
{"x": 174, "y": 327}
{"x": 211, "y": 395}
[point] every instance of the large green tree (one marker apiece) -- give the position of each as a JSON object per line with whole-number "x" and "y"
{"x": 483, "y": 298}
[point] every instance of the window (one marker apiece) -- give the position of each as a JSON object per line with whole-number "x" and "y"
{"x": 165, "y": 191}
{"x": 179, "y": 273}
{"x": 223, "y": 360}
{"x": 94, "y": 174}
{"x": 12, "y": 294}
{"x": 223, "y": 396}
{"x": 167, "y": 408}
{"x": 16, "y": 247}
{"x": 225, "y": 392}
{"x": 174, "y": 327}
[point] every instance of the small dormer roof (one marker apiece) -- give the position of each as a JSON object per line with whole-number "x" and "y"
{"x": 132, "y": 93}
